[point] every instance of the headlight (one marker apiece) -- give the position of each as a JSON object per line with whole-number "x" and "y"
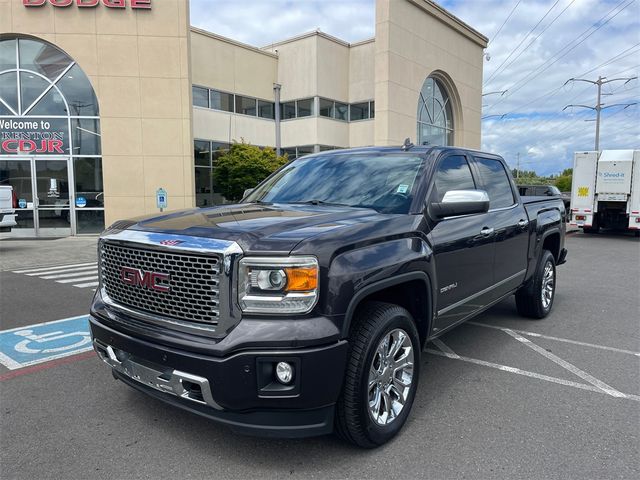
{"x": 278, "y": 285}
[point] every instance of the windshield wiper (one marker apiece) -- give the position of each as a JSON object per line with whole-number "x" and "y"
{"x": 321, "y": 202}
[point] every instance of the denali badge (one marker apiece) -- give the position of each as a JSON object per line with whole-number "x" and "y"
{"x": 171, "y": 243}
{"x": 140, "y": 278}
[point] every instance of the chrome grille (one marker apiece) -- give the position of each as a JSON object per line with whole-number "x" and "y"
{"x": 194, "y": 282}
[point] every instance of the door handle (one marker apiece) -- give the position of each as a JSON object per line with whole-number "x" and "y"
{"x": 522, "y": 223}
{"x": 486, "y": 231}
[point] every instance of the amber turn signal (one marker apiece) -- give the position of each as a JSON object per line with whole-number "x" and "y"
{"x": 301, "y": 279}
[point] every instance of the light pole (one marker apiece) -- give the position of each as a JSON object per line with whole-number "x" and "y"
{"x": 599, "y": 105}
{"x": 276, "y": 93}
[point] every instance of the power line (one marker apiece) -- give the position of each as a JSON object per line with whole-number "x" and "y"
{"x": 503, "y": 23}
{"x": 532, "y": 41}
{"x": 539, "y": 70}
{"x": 521, "y": 42}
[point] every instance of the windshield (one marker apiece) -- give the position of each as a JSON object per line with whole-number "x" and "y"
{"x": 384, "y": 182}
{"x": 554, "y": 190}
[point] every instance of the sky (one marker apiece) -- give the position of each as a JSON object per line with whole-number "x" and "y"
{"x": 535, "y": 46}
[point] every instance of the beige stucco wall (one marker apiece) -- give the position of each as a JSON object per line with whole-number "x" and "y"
{"x": 138, "y": 64}
{"x": 414, "y": 39}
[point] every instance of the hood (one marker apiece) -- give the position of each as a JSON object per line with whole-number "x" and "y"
{"x": 276, "y": 228}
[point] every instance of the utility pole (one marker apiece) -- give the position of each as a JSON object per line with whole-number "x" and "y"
{"x": 276, "y": 92}
{"x": 599, "y": 105}
{"x": 517, "y": 166}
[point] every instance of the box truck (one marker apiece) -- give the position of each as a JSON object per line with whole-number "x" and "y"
{"x": 605, "y": 191}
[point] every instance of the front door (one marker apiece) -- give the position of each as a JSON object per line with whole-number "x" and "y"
{"x": 52, "y": 197}
{"x": 463, "y": 249}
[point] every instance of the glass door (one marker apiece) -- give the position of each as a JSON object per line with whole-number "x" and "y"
{"x": 18, "y": 173}
{"x": 52, "y": 189}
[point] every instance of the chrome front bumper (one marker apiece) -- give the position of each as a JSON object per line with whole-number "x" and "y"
{"x": 174, "y": 382}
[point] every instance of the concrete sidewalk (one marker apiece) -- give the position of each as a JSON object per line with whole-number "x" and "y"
{"x": 18, "y": 253}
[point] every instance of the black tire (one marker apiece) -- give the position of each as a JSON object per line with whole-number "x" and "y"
{"x": 529, "y": 298}
{"x": 354, "y": 422}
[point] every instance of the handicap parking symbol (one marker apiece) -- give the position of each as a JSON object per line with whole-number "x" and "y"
{"x": 32, "y": 344}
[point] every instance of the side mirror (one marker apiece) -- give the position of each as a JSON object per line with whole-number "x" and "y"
{"x": 247, "y": 192}
{"x": 460, "y": 202}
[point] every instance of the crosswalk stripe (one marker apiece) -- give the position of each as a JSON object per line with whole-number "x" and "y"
{"x": 84, "y": 279}
{"x": 86, "y": 285}
{"x": 74, "y": 274}
{"x": 45, "y": 269}
{"x": 78, "y": 269}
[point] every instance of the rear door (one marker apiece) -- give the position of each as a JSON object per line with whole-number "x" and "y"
{"x": 509, "y": 220}
{"x": 463, "y": 249}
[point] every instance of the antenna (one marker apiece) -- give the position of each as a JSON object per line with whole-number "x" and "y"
{"x": 407, "y": 144}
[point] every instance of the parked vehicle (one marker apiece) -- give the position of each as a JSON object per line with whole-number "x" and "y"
{"x": 545, "y": 191}
{"x": 8, "y": 205}
{"x": 606, "y": 190}
{"x": 306, "y": 307}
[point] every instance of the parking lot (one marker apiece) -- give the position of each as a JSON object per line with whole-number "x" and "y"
{"x": 499, "y": 397}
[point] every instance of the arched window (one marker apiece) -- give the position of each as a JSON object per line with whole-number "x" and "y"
{"x": 435, "y": 115}
{"x": 50, "y": 117}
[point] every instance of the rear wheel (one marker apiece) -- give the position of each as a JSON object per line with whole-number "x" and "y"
{"x": 381, "y": 377}
{"x": 535, "y": 298}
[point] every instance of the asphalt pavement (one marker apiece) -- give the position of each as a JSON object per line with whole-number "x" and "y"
{"x": 502, "y": 397}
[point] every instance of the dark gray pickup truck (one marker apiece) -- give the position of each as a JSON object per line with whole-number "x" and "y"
{"x": 305, "y": 308}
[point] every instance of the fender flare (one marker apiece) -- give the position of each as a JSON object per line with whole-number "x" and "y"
{"x": 381, "y": 285}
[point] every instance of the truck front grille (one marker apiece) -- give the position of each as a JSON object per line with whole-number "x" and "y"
{"x": 187, "y": 287}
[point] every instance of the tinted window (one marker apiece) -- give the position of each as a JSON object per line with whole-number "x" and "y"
{"x": 201, "y": 150}
{"x": 246, "y": 105}
{"x": 200, "y": 96}
{"x": 326, "y": 108}
{"x": 288, "y": 110}
{"x": 359, "y": 111}
{"x": 305, "y": 107}
{"x": 221, "y": 101}
{"x": 341, "y": 111}
{"x": 453, "y": 174}
{"x": 265, "y": 109}
{"x": 494, "y": 179}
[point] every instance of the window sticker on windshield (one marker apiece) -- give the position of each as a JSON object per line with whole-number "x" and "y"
{"x": 402, "y": 188}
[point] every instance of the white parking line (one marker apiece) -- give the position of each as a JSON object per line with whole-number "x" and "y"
{"x": 85, "y": 285}
{"x": 74, "y": 274}
{"x": 527, "y": 373}
{"x": 84, "y": 279}
{"x": 441, "y": 345}
{"x": 557, "y": 339}
{"x": 60, "y": 272}
{"x": 566, "y": 365}
{"x": 43, "y": 269}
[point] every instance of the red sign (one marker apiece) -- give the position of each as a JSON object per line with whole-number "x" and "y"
{"x": 134, "y": 4}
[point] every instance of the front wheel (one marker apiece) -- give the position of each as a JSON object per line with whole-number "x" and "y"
{"x": 381, "y": 376}
{"x": 535, "y": 299}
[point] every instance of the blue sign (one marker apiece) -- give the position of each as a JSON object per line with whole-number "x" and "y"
{"x": 161, "y": 198}
{"x": 22, "y": 203}
{"x": 81, "y": 202}
{"x": 24, "y": 346}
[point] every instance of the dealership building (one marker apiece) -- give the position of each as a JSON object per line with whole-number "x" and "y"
{"x": 107, "y": 105}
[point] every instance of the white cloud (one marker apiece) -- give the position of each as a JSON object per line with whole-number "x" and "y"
{"x": 535, "y": 121}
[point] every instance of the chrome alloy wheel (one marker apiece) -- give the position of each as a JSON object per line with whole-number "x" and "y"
{"x": 390, "y": 376}
{"x": 548, "y": 284}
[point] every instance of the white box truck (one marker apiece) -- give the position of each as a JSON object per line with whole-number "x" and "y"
{"x": 605, "y": 192}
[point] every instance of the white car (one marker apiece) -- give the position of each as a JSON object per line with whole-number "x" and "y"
{"x": 7, "y": 208}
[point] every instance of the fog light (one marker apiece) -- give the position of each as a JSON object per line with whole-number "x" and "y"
{"x": 284, "y": 372}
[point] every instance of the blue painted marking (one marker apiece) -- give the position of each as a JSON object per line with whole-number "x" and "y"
{"x": 23, "y": 346}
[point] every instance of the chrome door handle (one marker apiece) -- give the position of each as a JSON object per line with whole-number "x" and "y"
{"x": 486, "y": 231}
{"x": 522, "y": 223}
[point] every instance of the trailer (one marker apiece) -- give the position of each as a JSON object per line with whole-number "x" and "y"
{"x": 605, "y": 191}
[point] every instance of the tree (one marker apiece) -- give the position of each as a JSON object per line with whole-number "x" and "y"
{"x": 563, "y": 182}
{"x": 244, "y": 166}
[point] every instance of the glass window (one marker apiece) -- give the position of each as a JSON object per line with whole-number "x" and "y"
{"x": 453, "y": 174}
{"x": 200, "y": 97}
{"x": 221, "y": 101}
{"x": 359, "y": 111}
{"x": 494, "y": 179}
{"x": 306, "y": 150}
{"x": 43, "y": 58}
{"x": 325, "y": 108}
{"x": 31, "y": 86}
{"x": 76, "y": 88}
{"x": 342, "y": 111}
{"x": 201, "y": 153}
{"x": 51, "y": 104}
{"x": 9, "y": 89}
{"x": 305, "y": 107}
{"x": 246, "y": 105}
{"x": 266, "y": 109}
{"x": 203, "y": 186}
{"x": 435, "y": 115}
{"x": 287, "y": 110}
{"x": 291, "y": 152}
{"x": 86, "y": 136}
{"x": 87, "y": 174}
{"x": 372, "y": 109}
{"x": 89, "y": 221}
{"x": 218, "y": 149}
{"x": 390, "y": 181}
{"x": 7, "y": 55}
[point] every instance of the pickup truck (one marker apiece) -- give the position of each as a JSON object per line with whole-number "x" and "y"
{"x": 547, "y": 191}
{"x": 305, "y": 308}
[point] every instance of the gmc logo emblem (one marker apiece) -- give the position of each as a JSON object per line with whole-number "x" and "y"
{"x": 139, "y": 278}
{"x": 135, "y": 4}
